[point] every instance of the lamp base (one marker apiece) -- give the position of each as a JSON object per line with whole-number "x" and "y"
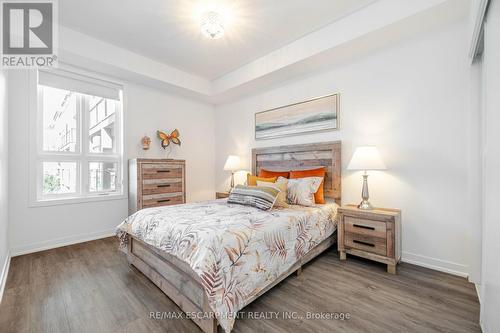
{"x": 232, "y": 182}
{"x": 365, "y": 204}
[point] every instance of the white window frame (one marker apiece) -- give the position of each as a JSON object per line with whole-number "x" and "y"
{"x": 82, "y": 155}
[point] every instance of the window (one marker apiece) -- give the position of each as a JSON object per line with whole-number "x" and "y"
{"x": 79, "y": 132}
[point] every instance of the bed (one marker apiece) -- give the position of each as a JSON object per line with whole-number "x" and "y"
{"x": 214, "y": 258}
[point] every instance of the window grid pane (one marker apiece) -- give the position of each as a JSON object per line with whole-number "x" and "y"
{"x": 102, "y": 122}
{"x": 103, "y": 176}
{"x": 59, "y": 177}
{"x": 59, "y": 112}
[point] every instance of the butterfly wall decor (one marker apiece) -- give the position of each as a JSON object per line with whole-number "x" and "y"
{"x": 166, "y": 139}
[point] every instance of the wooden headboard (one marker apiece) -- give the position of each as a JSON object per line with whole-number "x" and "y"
{"x": 303, "y": 157}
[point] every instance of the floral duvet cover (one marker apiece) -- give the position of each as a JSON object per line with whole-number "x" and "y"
{"x": 236, "y": 250}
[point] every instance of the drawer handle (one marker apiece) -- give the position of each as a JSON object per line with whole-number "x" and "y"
{"x": 159, "y": 171}
{"x": 163, "y": 185}
{"x": 363, "y": 243}
{"x": 363, "y": 226}
{"x": 164, "y": 200}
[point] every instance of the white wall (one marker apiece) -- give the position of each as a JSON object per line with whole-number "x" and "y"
{"x": 150, "y": 110}
{"x": 4, "y": 227}
{"x": 412, "y": 100}
{"x": 146, "y": 110}
{"x": 490, "y": 288}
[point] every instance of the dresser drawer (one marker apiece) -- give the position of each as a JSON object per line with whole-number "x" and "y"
{"x": 161, "y": 171}
{"x": 365, "y": 227}
{"x": 167, "y": 199}
{"x": 366, "y": 243}
{"x": 159, "y": 186}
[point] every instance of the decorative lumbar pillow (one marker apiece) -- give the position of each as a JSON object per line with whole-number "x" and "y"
{"x": 256, "y": 196}
{"x": 319, "y": 196}
{"x": 252, "y": 180}
{"x": 281, "y": 184}
{"x": 268, "y": 173}
{"x": 301, "y": 190}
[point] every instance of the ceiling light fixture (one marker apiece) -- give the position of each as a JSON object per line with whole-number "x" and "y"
{"x": 212, "y": 25}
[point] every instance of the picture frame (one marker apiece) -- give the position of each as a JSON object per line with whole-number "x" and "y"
{"x": 313, "y": 115}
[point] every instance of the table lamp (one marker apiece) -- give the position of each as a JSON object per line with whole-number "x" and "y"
{"x": 366, "y": 158}
{"x": 233, "y": 164}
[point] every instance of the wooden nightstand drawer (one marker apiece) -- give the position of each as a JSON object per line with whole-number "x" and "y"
{"x": 366, "y": 243}
{"x": 365, "y": 227}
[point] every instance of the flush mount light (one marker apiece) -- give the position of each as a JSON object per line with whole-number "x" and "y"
{"x": 212, "y": 25}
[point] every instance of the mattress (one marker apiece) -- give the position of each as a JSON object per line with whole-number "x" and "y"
{"x": 236, "y": 250}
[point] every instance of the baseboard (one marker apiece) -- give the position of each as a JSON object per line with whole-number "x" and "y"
{"x": 65, "y": 241}
{"x": 436, "y": 264}
{"x": 3, "y": 277}
{"x": 478, "y": 291}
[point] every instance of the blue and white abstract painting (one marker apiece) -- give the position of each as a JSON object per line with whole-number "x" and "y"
{"x": 318, "y": 114}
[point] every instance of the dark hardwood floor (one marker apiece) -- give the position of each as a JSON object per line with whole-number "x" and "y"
{"x": 89, "y": 287}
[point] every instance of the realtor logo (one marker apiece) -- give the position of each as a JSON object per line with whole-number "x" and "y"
{"x": 28, "y": 34}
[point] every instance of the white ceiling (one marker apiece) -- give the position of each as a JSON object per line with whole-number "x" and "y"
{"x": 167, "y": 31}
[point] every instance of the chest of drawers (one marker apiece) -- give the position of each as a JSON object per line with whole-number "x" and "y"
{"x": 156, "y": 182}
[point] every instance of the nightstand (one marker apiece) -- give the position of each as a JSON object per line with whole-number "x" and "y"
{"x": 371, "y": 234}
{"x": 221, "y": 195}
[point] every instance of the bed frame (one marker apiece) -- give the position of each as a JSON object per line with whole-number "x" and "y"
{"x": 183, "y": 286}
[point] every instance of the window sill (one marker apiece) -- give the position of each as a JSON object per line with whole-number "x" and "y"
{"x": 76, "y": 200}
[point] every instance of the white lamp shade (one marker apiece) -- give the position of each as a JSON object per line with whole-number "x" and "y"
{"x": 366, "y": 158}
{"x": 233, "y": 163}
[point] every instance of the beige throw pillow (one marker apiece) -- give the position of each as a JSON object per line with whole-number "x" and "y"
{"x": 281, "y": 184}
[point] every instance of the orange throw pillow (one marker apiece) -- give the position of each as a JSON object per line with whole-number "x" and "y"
{"x": 252, "y": 180}
{"x": 268, "y": 173}
{"x": 319, "y": 196}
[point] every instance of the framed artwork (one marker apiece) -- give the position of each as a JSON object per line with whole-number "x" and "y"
{"x": 318, "y": 114}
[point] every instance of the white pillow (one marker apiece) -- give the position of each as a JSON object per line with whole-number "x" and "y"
{"x": 301, "y": 190}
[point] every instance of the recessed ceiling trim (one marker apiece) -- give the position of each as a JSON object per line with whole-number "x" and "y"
{"x": 79, "y": 50}
{"x": 370, "y": 18}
